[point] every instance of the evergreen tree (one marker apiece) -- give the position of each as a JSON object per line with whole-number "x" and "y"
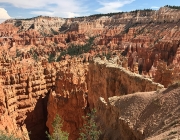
{"x": 51, "y": 58}
{"x": 35, "y": 56}
{"x": 18, "y": 53}
{"x": 5, "y": 136}
{"x": 90, "y": 130}
{"x": 58, "y": 134}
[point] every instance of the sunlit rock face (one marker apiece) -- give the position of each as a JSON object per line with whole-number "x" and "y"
{"x": 138, "y": 52}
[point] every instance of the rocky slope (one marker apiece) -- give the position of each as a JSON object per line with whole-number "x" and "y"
{"x": 143, "y": 115}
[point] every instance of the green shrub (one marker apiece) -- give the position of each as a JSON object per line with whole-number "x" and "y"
{"x": 18, "y": 53}
{"x": 90, "y": 130}
{"x": 5, "y": 136}
{"x": 173, "y": 7}
{"x": 75, "y": 50}
{"x": 58, "y": 134}
{"x": 35, "y": 56}
{"x": 54, "y": 32}
{"x": 175, "y": 84}
{"x": 172, "y": 133}
{"x": 51, "y": 58}
{"x": 108, "y": 56}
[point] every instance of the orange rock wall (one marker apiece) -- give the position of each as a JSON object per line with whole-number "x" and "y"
{"x": 107, "y": 79}
{"x": 25, "y": 100}
{"x": 149, "y": 40}
{"x": 69, "y": 99}
{"x": 24, "y": 92}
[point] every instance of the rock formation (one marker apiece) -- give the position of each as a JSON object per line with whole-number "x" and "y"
{"x": 52, "y": 66}
{"x": 108, "y": 79}
{"x": 25, "y": 90}
{"x": 69, "y": 99}
{"x": 143, "y": 115}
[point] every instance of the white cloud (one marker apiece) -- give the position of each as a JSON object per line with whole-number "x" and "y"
{"x": 155, "y": 7}
{"x": 3, "y": 15}
{"x": 56, "y": 13}
{"x": 112, "y": 6}
{"x": 61, "y": 8}
{"x": 70, "y": 14}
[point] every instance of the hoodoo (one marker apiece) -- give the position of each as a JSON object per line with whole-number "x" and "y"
{"x": 125, "y": 65}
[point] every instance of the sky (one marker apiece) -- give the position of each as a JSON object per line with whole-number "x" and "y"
{"x": 74, "y": 8}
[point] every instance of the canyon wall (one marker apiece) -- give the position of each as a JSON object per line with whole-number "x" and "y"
{"x": 94, "y": 25}
{"x": 108, "y": 79}
{"x": 79, "y": 87}
{"x": 69, "y": 98}
{"x": 25, "y": 89}
{"x": 24, "y": 98}
{"x": 145, "y": 37}
{"x": 33, "y": 90}
{"x": 73, "y": 87}
{"x": 42, "y": 24}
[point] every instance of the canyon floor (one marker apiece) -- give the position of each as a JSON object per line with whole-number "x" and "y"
{"x": 124, "y": 65}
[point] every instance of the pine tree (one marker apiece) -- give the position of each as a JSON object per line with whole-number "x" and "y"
{"x": 90, "y": 130}
{"x": 5, "y": 136}
{"x": 58, "y": 134}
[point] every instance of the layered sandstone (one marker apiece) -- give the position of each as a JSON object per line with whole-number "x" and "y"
{"x": 69, "y": 98}
{"x": 86, "y": 24}
{"x": 40, "y": 23}
{"x": 143, "y": 48}
{"x": 24, "y": 98}
{"x": 145, "y": 37}
{"x": 108, "y": 78}
{"x": 25, "y": 88}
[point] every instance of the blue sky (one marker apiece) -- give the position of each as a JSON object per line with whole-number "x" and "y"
{"x": 74, "y": 8}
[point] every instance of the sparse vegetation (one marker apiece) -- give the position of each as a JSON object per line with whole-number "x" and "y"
{"x": 18, "y": 23}
{"x": 34, "y": 54}
{"x": 32, "y": 18}
{"x": 172, "y": 133}
{"x": 108, "y": 55}
{"x": 57, "y": 134}
{"x": 90, "y": 130}
{"x": 5, "y": 136}
{"x": 59, "y": 58}
{"x": 116, "y": 13}
{"x": 174, "y": 85}
{"x": 174, "y": 123}
{"x": 54, "y": 32}
{"x": 18, "y": 53}
{"x": 51, "y": 58}
{"x": 130, "y": 25}
{"x": 135, "y": 11}
{"x": 108, "y": 14}
{"x": 173, "y": 7}
{"x": 75, "y": 50}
